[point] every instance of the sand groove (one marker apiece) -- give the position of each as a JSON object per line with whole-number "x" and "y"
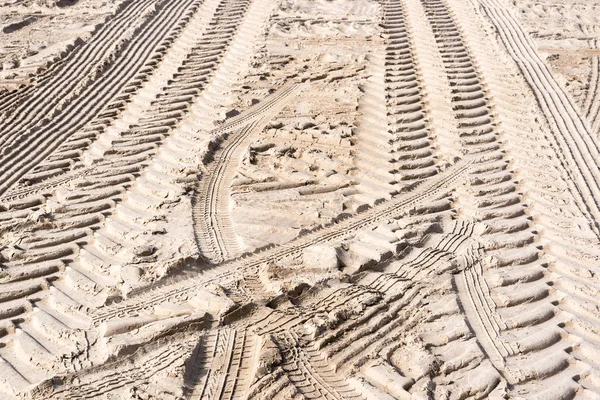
{"x": 591, "y": 108}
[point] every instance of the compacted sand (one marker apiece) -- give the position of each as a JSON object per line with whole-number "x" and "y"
{"x": 299, "y": 199}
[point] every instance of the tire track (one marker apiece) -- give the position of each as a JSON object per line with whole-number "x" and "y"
{"x": 122, "y": 170}
{"x": 411, "y": 139}
{"x": 475, "y": 297}
{"x": 399, "y": 149}
{"x": 82, "y": 62}
{"x": 401, "y": 286}
{"x": 223, "y": 371}
{"x": 372, "y": 154}
{"x": 593, "y": 112}
{"x": 144, "y": 364}
{"x": 500, "y": 302}
{"x": 48, "y": 186}
{"x": 123, "y": 15}
{"x": 589, "y": 107}
{"x": 92, "y": 271}
{"x": 309, "y": 373}
{"x": 318, "y": 360}
{"x": 10, "y": 99}
{"x": 311, "y": 361}
{"x": 199, "y": 368}
{"x": 572, "y": 142}
{"x": 213, "y": 227}
{"x": 81, "y": 276}
{"x": 497, "y": 204}
{"x": 569, "y": 246}
{"x": 170, "y": 76}
{"x": 430, "y": 189}
{"x": 454, "y": 364}
{"x": 76, "y": 111}
{"x": 517, "y": 282}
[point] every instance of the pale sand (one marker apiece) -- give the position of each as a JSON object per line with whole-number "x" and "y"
{"x": 299, "y": 199}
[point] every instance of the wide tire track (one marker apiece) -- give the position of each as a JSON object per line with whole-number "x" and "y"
{"x": 74, "y": 113}
{"x": 88, "y": 269}
{"x": 517, "y": 279}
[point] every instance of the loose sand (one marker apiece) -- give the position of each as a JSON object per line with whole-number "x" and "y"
{"x": 299, "y": 199}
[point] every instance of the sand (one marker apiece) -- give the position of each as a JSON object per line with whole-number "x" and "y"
{"x": 299, "y": 199}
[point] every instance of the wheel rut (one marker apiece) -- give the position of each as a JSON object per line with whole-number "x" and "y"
{"x": 572, "y": 142}
{"x": 91, "y": 195}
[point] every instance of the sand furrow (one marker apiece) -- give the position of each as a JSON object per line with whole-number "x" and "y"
{"x": 589, "y": 108}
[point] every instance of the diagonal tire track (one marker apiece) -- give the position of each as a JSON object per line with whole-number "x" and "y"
{"x": 573, "y": 144}
{"x": 19, "y": 157}
{"x": 430, "y": 189}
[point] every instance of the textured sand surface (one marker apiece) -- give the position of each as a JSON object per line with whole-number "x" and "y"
{"x": 299, "y": 199}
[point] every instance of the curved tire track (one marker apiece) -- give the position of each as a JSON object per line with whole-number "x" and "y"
{"x": 213, "y": 227}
